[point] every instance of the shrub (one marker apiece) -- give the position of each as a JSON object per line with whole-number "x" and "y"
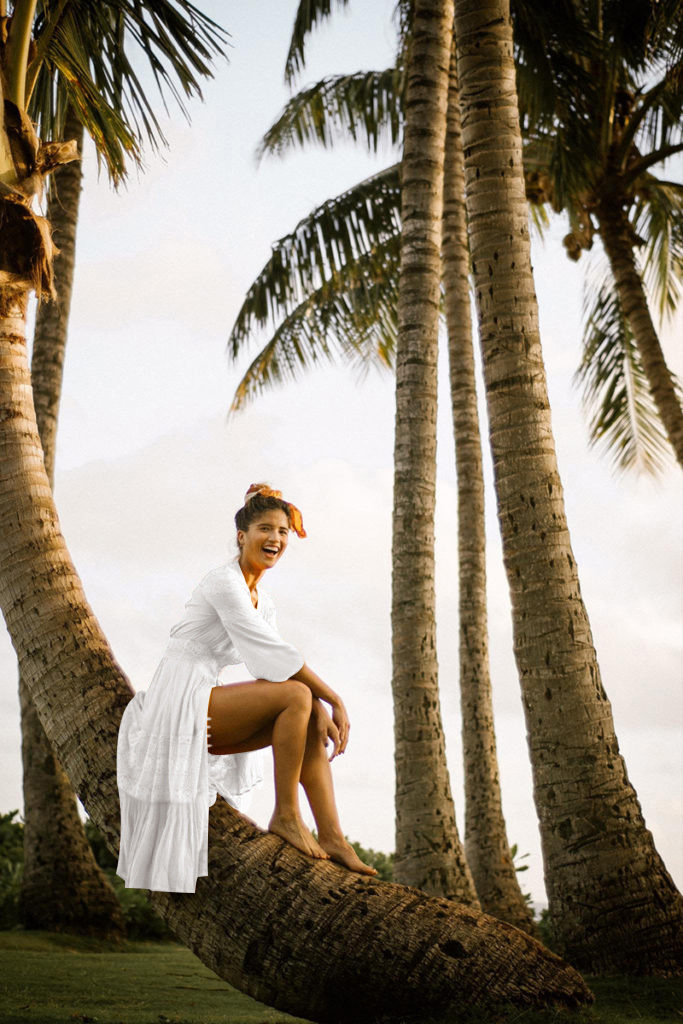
{"x": 141, "y": 921}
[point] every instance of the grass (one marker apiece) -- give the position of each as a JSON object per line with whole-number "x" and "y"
{"x": 49, "y": 978}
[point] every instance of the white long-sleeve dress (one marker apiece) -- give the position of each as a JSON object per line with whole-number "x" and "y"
{"x": 167, "y": 779}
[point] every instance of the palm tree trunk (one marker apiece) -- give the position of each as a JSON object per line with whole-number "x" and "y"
{"x": 62, "y": 886}
{"x": 312, "y": 939}
{"x": 615, "y": 232}
{"x": 428, "y": 849}
{"x": 612, "y": 902}
{"x": 52, "y": 318}
{"x": 486, "y": 844}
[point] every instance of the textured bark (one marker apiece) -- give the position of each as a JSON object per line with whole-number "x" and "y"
{"x": 613, "y": 904}
{"x": 52, "y": 318}
{"x": 428, "y": 849}
{"x": 486, "y": 845}
{"x": 307, "y": 937}
{"x": 616, "y": 233}
{"x": 62, "y": 887}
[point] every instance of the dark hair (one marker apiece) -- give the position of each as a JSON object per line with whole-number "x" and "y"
{"x": 256, "y": 506}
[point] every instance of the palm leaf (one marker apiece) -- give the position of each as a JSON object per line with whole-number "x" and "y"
{"x": 553, "y": 49}
{"x": 655, "y": 121}
{"x": 358, "y": 222}
{"x": 623, "y": 420}
{"x": 352, "y": 317}
{"x": 364, "y": 105}
{"x": 658, "y": 217}
{"x": 83, "y": 58}
{"x": 309, "y": 13}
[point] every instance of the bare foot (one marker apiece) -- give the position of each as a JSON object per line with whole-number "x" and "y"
{"x": 343, "y": 853}
{"x": 295, "y": 832}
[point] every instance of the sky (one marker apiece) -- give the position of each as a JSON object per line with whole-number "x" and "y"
{"x": 151, "y": 469}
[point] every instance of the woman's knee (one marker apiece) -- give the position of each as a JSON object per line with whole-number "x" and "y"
{"x": 297, "y": 693}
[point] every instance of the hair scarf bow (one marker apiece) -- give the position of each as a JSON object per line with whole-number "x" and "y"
{"x": 268, "y": 492}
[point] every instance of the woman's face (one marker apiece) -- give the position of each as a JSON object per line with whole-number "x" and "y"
{"x": 264, "y": 542}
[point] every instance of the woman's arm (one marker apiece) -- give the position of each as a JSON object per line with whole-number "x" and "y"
{"x": 258, "y": 643}
{"x": 322, "y": 691}
{"x": 317, "y": 687}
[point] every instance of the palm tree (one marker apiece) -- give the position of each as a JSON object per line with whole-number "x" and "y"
{"x": 486, "y": 844}
{"x": 427, "y": 852}
{"x": 355, "y": 307}
{"x": 298, "y": 935}
{"x": 612, "y": 902}
{"x": 62, "y": 886}
{"x": 597, "y": 118}
{"x": 551, "y": 44}
{"x": 353, "y": 302}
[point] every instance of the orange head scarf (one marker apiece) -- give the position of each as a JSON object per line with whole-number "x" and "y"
{"x": 268, "y": 492}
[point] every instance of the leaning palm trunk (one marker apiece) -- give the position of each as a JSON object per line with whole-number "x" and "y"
{"x": 486, "y": 844}
{"x": 613, "y": 904}
{"x": 300, "y": 935}
{"x": 428, "y": 849}
{"x": 62, "y": 886}
{"x": 616, "y": 234}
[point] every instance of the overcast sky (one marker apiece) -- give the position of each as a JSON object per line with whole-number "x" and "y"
{"x": 150, "y": 471}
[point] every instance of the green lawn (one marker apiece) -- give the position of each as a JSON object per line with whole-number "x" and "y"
{"x": 48, "y": 978}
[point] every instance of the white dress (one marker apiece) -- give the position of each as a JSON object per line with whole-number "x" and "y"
{"x": 167, "y": 779}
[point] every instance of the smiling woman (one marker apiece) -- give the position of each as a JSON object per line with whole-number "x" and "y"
{"x": 188, "y": 738}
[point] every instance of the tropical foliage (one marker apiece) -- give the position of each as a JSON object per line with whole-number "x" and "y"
{"x": 101, "y": 57}
{"x": 555, "y": 81}
{"x": 329, "y": 288}
{"x": 598, "y": 116}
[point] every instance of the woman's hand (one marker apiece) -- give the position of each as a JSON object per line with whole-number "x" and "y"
{"x": 327, "y": 728}
{"x": 341, "y": 720}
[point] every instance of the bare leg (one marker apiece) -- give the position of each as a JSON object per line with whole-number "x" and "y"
{"x": 289, "y": 742}
{"x": 316, "y": 778}
{"x": 250, "y": 716}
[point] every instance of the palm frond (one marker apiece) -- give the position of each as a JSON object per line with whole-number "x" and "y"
{"x": 84, "y": 57}
{"x": 403, "y": 18}
{"x": 539, "y": 218}
{"x": 654, "y": 121}
{"x": 351, "y": 318}
{"x": 664, "y": 37}
{"x": 367, "y": 105}
{"x": 361, "y": 221}
{"x": 626, "y": 28}
{"x": 658, "y": 218}
{"x": 554, "y": 45}
{"x": 308, "y": 14}
{"x": 623, "y": 420}
{"x": 66, "y": 76}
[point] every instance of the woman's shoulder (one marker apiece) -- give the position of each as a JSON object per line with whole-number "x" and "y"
{"x": 225, "y": 574}
{"x": 228, "y": 576}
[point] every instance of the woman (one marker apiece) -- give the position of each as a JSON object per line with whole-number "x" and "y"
{"x": 188, "y": 738}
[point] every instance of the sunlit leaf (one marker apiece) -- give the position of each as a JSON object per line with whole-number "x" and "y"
{"x": 622, "y": 416}
{"x": 357, "y": 223}
{"x": 309, "y": 13}
{"x": 91, "y": 56}
{"x": 364, "y": 106}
